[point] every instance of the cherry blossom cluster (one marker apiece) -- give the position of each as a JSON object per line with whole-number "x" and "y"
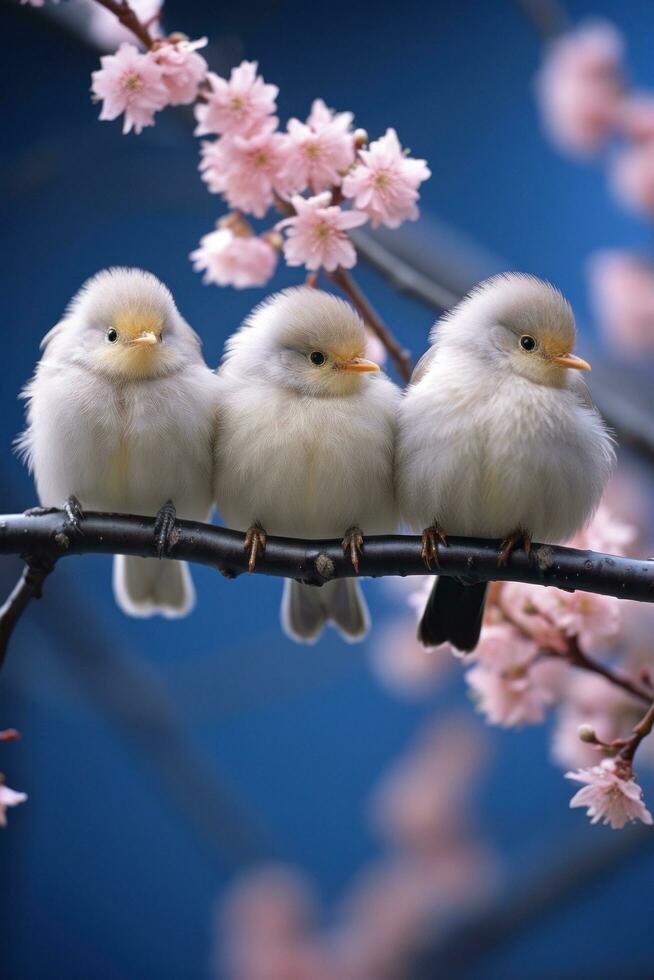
{"x": 138, "y": 84}
{"x": 322, "y": 174}
{"x": 539, "y": 650}
{"x": 433, "y": 866}
{"x": 587, "y": 107}
{"x": 8, "y": 797}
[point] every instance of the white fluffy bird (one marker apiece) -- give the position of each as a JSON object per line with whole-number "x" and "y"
{"x": 121, "y": 418}
{"x": 498, "y": 437}
{"x": 305, "y": 445}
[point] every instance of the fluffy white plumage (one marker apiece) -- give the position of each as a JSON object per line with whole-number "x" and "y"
{"x": 306, "y": 449}
{"x": 493, "y": 437}
{"x": 125, "y": 424}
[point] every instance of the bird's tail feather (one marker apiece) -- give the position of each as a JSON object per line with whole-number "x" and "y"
{"x": 146, "y": 586}
{"x": 306, "y": 609}
{"x": 453, "y": 614}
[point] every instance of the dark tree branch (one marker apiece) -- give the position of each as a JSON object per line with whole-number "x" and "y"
{"x": 44, "y": 538}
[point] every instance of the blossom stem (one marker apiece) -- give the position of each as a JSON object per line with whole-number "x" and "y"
{"x": 640, "y": 731}
{"x": 400, "y": 356}
{"x": 128, "y": 18}
{"x": 577, "y": 658}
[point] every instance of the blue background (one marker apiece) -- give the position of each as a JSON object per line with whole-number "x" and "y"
{"x": 138, "y": 734}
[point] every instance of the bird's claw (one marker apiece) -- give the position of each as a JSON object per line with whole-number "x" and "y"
{"x": 431, "y": 536}
{"x": 352, "y": 544}
{"x": 511, "y": 542}
{"x": 74, "y": 513}
{"x": 255, "y": 542}
{"x": 164, "y": 527}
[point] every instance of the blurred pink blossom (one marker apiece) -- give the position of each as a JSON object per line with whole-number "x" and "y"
{"x": 632, "y": 177}
{"x": 320, "y": 150}
{"x": 132, "y": 83}
{"x": 607, "y": 533}
{"x": 418, "y": 804}
{"x": 8, "y": 797}
{"x": 518, "y": 696}
{"x": 622, "y": 294}
{"x": 579, "y": 87}
{"x": 234, "y": 260}
{"x": 401, "y": 662}
{"x": 236, "y": 107}
{"x": 246, "y": 170}
{"x": 183, "y": 69}
{"x": 609, "y": 796}
{"x": 636, "y": 118}
{"x": 375, "y": 350}
{"x": 385, "y": 184}
{"x": 317, "y": 234}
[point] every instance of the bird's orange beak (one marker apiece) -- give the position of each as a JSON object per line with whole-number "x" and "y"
{"x": 359, "y": 364}
{"x": 571, "y": 361}
{"x": 147, "y": 339}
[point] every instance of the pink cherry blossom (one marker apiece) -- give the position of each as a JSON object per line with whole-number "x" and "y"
{"x": 632, "y": 177}
{"x": 579, "y": 87}
{"x": 183, "y": 69}
{"x": 132, "y": 83}
{"x": 594, "y": 620}
{"x": 502, "y": 647}
{"x": 234, "y": 260}
{"x": 609, "y": 796}
{"x": 622, "y": 294}
{"x": 385, "y": 185}
{"x": 8, "y": 797}
{"x": 518, "y": 696}
{"x": 317, "y": 234}
{"x": 527, "y": 607}
{"x": 238, "y": 106}
{"x": 246, "y": 170}
{"x": 320, "y": 150}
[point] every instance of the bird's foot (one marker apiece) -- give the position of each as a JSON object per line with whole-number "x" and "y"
{"x": 352, "y": 545}
{"x": 255, "y": 543}
{"x": 164, "y": 528}
{"x": 511, "y": 542}
{"x": 431, "y": 537}
{"x": 74, "y": 513}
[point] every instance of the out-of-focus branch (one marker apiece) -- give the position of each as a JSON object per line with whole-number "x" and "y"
{"x": 549, "y": 17}
{"x": 128, "y": 18}
{"x": 43, "y": 539}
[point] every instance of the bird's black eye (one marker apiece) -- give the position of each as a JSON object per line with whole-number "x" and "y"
{"x": 527, "y": 343}
{"x": 112, "y": 335}
{"x": 161, "y": 337}
{"x": 317, "y": 357}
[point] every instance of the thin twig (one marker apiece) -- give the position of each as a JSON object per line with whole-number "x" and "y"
{"x": 128, "y": 18}
{"x": 400, "y": 356}
{"x": 28, "y": 587}
{"x": 577, "y": 658}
